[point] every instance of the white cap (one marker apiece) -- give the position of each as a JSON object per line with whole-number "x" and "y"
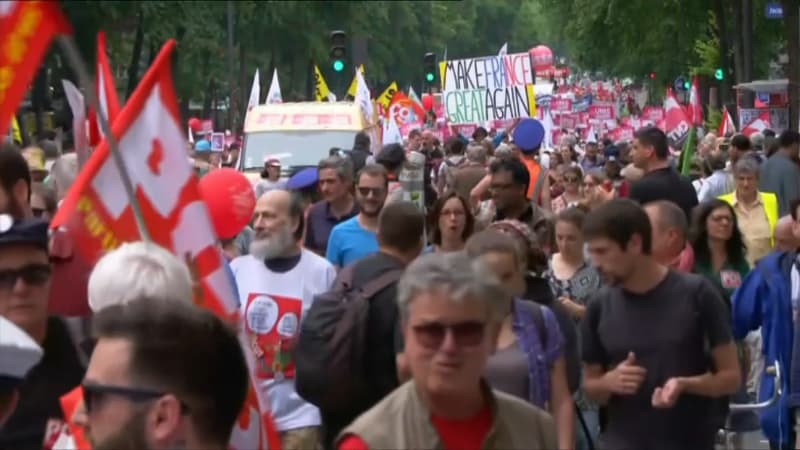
{"x": 19, "y": 353}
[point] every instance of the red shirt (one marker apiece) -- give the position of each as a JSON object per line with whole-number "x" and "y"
{"x": 467, "y": 434}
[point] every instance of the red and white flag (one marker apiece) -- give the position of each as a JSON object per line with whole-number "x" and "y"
{"x": 106, "y": 93}
{"x": 726, "y": 126}
{"x": 26, "y": 29}
{"x": 759, "y": 124}
{"x": 98, "y": 214}
{"x": 677, "y": 121}
{"x": 695, "y": 105}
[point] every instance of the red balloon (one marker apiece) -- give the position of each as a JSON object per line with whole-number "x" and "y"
{"x": 230, "y": 199}
{"x": 427, "y": 102}
{"x": 542, "y": 57}
{"x": 195, "y": 124}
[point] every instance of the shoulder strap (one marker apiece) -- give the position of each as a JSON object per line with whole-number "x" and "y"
{"x": 376, "y": 285}
{"x": 344, "y": 279}
{"x": 537, "y": 188}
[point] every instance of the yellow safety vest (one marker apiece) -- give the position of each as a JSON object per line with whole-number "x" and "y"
{"x": 770, "y": 202}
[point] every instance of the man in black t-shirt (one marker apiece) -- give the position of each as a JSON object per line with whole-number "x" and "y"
{"x": 650, "y": 152}
{"x": 657, "y": 346}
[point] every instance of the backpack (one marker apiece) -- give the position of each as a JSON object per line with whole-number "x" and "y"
{"x": 330, "y": 356}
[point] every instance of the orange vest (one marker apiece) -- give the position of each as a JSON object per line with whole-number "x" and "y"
{"x": 534, "y": 169}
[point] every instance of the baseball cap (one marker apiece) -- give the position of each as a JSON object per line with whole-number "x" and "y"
{"x": 273, "y": 162}
{"x": 202, "y": 146}
{"x": 32, "y": 232}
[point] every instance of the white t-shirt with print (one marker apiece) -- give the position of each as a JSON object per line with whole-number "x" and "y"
{"x": 273, "y": 304}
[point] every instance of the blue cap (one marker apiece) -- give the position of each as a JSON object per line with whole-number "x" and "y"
{"x": 528, "y": 135}
{"x": 305, "y": 178}
{"x": 32, "y": 232}
{"x": 202, "y": 146}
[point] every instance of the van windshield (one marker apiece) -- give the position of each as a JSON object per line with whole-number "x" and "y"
{"x": 292, "y": 148}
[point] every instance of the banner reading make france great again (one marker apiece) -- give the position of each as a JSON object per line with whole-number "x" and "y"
{"x": 490, "y": 88}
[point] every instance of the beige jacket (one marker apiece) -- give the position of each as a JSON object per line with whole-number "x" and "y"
{"x": 401, "y": 421}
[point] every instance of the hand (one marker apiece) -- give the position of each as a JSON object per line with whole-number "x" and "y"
{"x": 626, "y": 378}
{"x": 666, "y": 396}
{"x": 571, "y": 306}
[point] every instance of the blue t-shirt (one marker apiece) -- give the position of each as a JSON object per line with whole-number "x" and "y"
{"x": 349, "y": 241}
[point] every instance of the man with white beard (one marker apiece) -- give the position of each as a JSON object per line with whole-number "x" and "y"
{"x": 277, "y": 283}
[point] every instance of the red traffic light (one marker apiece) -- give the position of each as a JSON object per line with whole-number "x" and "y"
{"x": 652, "y": 75}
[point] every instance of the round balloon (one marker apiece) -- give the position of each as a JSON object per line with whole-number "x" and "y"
{"x": 427, "y": 102}
{"x": 528, "y": 135}
{"x": 230, "y": 199}
{"x": 195, "y": 124}
{"x": 542, "y": 57}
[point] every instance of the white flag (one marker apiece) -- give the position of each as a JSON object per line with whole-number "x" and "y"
{"x": 79, "y": 134}
{"x": 391, "y": 132}
{"x": 503, "y": 50}
{"x": 255, "y": 91}
{"x": 274, "y": 94}
{"x": 363, "y": 96}
{"x": 548, "y": 125}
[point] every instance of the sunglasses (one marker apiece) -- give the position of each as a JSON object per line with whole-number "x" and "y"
{"x": 94, "y": 394}
{"x": 366, "y": 191}
{"x": 465, "y": 334}
{"x": 32, "y": 275}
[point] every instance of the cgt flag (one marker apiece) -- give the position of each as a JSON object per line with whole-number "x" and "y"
{"x": 97, "y": 213}
{"x": 26, "y": 29}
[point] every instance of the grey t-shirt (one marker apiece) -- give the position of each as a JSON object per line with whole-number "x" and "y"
{"x": 669, "y": 329}
{"x": 507, "y": 371}
{"x": 781, "y": 176}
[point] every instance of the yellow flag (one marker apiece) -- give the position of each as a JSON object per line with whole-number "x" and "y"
{"x": 385, "y": 99}
{"x": 16, "y": 134}
{"x": 351, "y": 91}
{"x": 321, "y": 91}
{"x": 529, "y": 89}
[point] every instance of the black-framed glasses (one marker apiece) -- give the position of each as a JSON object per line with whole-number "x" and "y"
{"x": 31, "y": 274}
{"x": 94, "y": 394}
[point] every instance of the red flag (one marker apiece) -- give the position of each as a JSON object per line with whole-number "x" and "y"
{"x": 26, "y": 29}
{"x": 677, "y": 121}
{"x": 695, "y": 105}
{"x": 98, "y": 215}
{"x": 106, "y": 93}
{"x": 759, "y": 124}
{"x": 726, "y": 126}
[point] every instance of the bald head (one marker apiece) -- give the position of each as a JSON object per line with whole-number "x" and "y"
{"x": 785, "y": 239}
{"x": 669, "y": 229}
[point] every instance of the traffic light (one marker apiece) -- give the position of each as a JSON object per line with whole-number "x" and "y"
{"x": 652, "y": 75}
{"x": 338, "y": 50}
{"x": 686, "y": 85}
{"x": 681, "y": 84}
{"x": 429, "y": 64}
{"x": 719, "y": 74}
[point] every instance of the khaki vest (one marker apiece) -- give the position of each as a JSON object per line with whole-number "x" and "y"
{"x": 401, "y": 421}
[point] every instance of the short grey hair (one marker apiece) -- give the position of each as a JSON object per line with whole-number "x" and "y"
{"x": 746, "y": 166}
{"x": 342, "y": 166}
{"x": 138, "y": 270}
{"x": 464, "y": 279}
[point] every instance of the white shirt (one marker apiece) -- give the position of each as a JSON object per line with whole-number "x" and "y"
{"x": 273, "y": 306}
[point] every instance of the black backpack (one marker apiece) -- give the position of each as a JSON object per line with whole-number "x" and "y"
{"x": 330, "y": 355}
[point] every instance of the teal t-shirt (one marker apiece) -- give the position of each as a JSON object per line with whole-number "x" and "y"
{"x": 349, "y": 241}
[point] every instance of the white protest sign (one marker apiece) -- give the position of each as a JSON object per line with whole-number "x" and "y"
{"x": 497, "y": 87}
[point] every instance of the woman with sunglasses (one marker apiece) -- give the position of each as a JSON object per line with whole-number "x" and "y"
{"x": 572, "y": 195}
{"x": 528, "y": 361}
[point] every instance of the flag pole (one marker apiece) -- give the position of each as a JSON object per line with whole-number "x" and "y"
{"x": 74, "y": 59}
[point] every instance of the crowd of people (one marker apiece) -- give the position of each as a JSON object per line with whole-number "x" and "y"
{"x": 578, "y": 298}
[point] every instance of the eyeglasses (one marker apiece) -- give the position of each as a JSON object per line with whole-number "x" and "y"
{"x": 94, "y": 394}
{"x": 465, "y": 334}
{"x": 366, "y": 191}
{"x": 31, "y": 274}
{"x": 719, "y": 219}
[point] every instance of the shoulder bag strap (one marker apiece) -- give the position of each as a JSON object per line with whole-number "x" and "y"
{"x": 380, "y": 283}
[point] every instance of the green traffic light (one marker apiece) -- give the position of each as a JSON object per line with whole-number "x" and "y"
{"x": 719, "y": 74}
{"x": 686, "y": 85}
{"x": 429, "y": 76}
{"x": 338, "y": 65}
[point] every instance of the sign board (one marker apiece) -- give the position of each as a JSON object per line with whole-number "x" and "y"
{"x": 778, "y": 118}
{"x": 489, "y": 88}
{"x": 773, "y": 10}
